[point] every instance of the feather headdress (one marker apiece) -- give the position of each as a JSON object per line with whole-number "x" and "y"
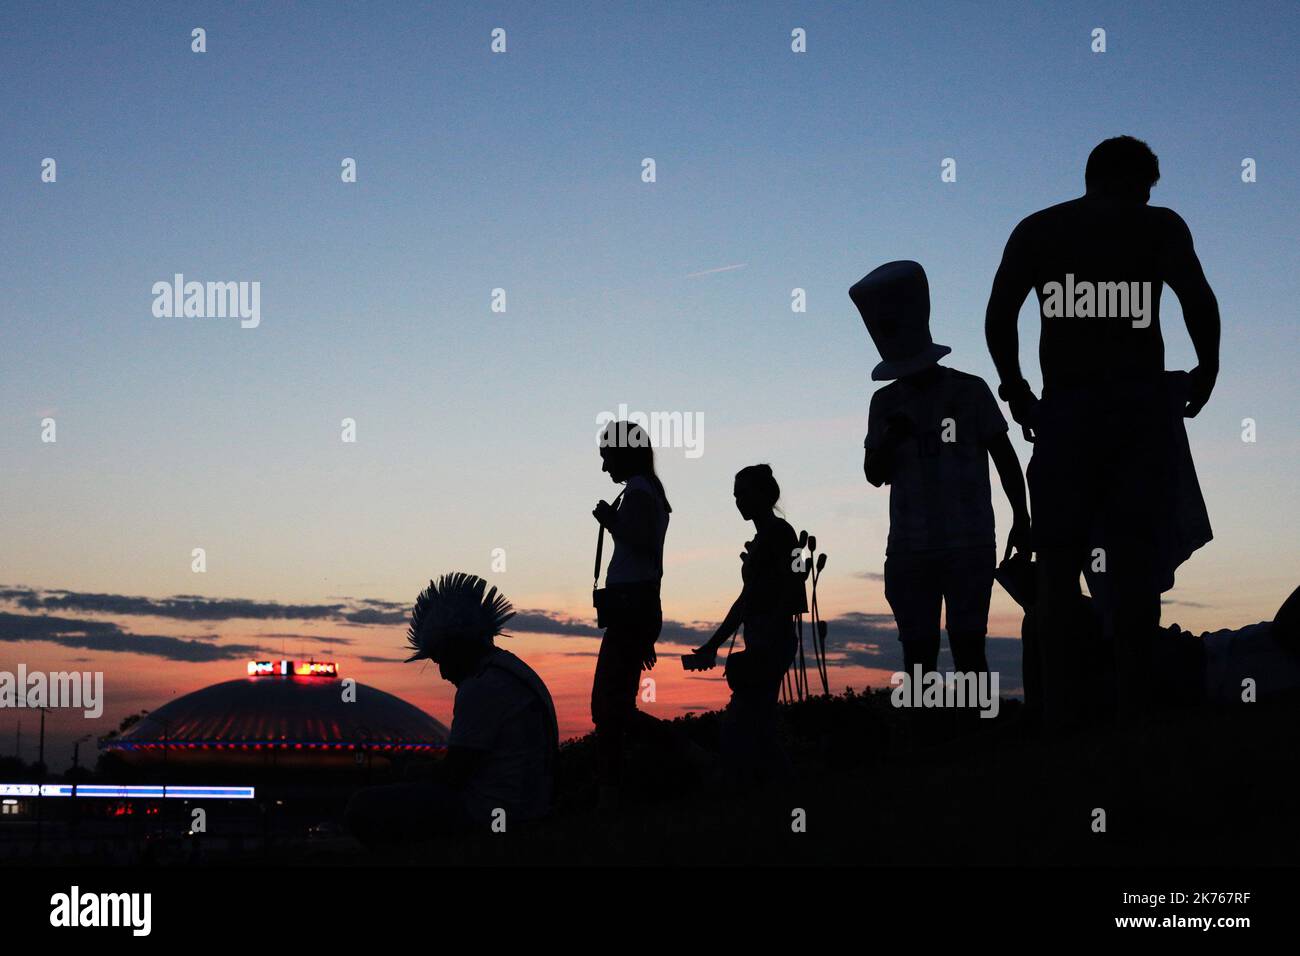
{"x": 452, "y": 608}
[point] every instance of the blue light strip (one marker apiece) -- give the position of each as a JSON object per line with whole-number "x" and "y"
{"x": 126, "y": 791}
{"x": 181, "y": 744}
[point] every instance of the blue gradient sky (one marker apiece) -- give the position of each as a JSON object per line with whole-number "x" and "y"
{"x": 476, "y": 429}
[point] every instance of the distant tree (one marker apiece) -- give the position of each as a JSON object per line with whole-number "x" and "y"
{"x": 13, "y": 768}
{"x": 129, "y": 721}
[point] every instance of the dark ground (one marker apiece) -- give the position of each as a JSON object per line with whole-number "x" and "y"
{"x": 1189, "y": 788}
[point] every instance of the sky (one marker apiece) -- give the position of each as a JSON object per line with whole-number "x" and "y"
{"x": 522, "y": 171}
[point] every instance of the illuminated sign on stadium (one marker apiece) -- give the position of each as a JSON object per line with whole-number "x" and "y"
{"x": 292, "y": 668}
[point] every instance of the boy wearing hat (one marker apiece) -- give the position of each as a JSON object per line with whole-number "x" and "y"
{"x": 930, "y": 433}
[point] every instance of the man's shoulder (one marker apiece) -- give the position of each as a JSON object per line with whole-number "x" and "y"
{"x": 1166, "y": 219}
{"x": 1049, "y": 215}
{"x": 509, "y": 667}
{"x": 965, "y": 379}
{"x": 1086, "y": 208}
{"x": 957, "y": 382}
{"x": 886, "y": 394}
{"x": 505, "y": 660}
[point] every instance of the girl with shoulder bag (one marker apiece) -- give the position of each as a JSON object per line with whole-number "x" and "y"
{"x": 628, "y": 607}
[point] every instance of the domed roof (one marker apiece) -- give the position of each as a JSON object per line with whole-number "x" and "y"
{"x": 285, "y": 712}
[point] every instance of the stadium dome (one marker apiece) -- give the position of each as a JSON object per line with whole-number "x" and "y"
{"x": 283, "y": 713}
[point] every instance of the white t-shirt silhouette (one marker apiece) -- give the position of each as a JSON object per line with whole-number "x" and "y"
{"x": 629, "y": 564}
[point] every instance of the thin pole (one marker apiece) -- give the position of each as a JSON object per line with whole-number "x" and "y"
{"x": 40, "y": 787}
{"x": 816, "y": 626}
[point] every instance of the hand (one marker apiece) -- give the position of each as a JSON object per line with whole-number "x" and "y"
{"x": 1025, "y": 410}
{"x": 604, "y": 512}
{"x": 649, "y": 660}
{"x": 1020, "y": 539}
{"x": 1025, "y": 406}
{"x": 708, "y": 657}
{"x": 1200, "y": 384}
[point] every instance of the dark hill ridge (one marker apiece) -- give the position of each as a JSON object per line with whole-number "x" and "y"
{"x": 879, "y": 786}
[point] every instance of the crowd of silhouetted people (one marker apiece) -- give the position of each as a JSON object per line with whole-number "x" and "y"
{"x": 1111, "y": 488}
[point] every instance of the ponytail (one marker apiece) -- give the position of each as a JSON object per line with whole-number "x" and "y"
{"x": 659, "y": 487}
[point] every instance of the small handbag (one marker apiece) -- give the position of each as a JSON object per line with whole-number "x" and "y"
{"x": 1017, "y": 576}
{"x": 600, "y": 597}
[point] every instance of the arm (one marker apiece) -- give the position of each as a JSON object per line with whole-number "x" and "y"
{"x": 475, "y": 722}
{"x": 874, "y": 467}
{"x": 736, "y": 616}
{"x": 1185, "y": 276}
{"x": 761, "y": 557}
{"x": 878, "y": 463}
{"x": 1013, "y": 485}
{"x": 1010, "y": 286}
{"x": 730, "y": 624}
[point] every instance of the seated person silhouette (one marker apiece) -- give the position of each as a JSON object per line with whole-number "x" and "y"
{"x": 1268, "y": 653}
{"x": 930, "y": 434}
{"x": 771, "y": 597}
{"x": 1111, "y": 479}
{"x": 1217, "y": 668}
{"x": 504, "y": 738}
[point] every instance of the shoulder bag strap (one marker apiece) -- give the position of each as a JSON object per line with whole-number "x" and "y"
{"x": 600, "y": 545}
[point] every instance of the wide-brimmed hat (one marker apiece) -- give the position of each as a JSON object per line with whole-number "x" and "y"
{"x": 894, "y": 301}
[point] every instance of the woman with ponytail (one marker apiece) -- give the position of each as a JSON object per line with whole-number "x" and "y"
{"x": 772, "y": 596}
{"x": 628, "y": 607}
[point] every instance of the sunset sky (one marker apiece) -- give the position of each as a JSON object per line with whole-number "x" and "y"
{"x": 522, "y": 171}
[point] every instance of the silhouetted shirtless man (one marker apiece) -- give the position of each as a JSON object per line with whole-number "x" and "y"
{"x": 1111, "y": 483}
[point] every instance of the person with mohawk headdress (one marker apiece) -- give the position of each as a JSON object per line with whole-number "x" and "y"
{"x": 504, "y": 738}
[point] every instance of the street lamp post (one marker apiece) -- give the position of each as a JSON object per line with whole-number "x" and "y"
{"x": 76, "y": 766}
{"x": 40, "y": 784}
